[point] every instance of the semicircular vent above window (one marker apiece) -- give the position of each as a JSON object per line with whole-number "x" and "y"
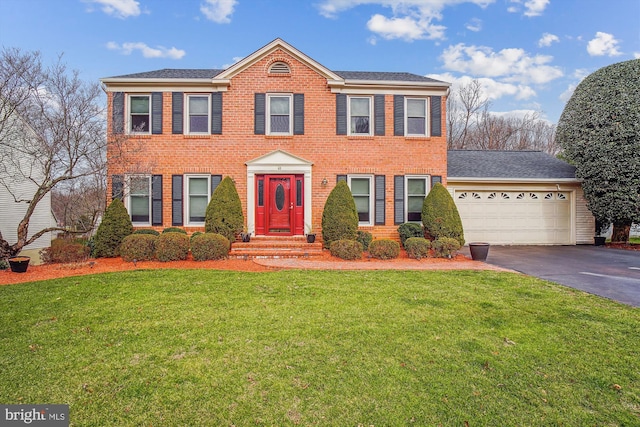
{"x": 279, "y": 68}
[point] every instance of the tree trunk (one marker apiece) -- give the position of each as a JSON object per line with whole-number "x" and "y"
{"x": 620, "y": 233}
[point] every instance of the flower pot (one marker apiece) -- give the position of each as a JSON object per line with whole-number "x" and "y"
{"x": 311, "y": 238}
{"x": 246, "y": 237}
{"x": 599, "y": 240}
{"x": 479, "y": 251}
{"x": 19, "y": 264}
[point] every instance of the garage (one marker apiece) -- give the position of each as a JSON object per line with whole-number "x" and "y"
{"x": 518, "y": 198}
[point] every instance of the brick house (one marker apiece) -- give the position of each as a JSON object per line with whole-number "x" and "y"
{"x": 285, "y": 128}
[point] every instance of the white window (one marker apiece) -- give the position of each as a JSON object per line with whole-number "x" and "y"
{"x": 198, "y": 192}
{"x": 416, "y": 109}
{"x": 416, "y": 188}
{"x": 139, "y": 199}
{"x": 362, "y": 190}
{"x": 198, "y": 116}
{"x": 360, "y": 111}
{"x": 280, "y": 114}
{"x": 139, "y": 114}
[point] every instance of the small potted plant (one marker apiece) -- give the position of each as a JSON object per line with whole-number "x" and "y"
{"x": 246, "y": 236}
{"x": 311, "y": 235}
{"x": 19, "y": 264}
{"x": 602, "y": 227}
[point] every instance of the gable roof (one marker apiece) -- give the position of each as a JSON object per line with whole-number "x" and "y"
{"x": 509, "y": 165}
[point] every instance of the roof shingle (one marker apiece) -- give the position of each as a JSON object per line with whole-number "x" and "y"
{"x": 506, "y": 164}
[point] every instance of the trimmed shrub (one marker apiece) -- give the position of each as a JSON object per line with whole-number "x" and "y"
{"x": 64, "y": 250}
{"x": 417, "y": 247}
{"x": 346, "y": 249}
{"x": 207, "y": 246}
{"x": 224, "y": 212}
{"x": 172, "y": 246}
{"x": 440, "y": 215}
{"x": 365, "y": 238}
{"x": 149, "y": 231}
{"x": 195, "y": 234}
{"x": 339, "y": 216}
{"x": 445, "y": 247}
{"x": 384, "y": 249}
{"x": 174, "y": 230}
{"x": 409, "y": 230}
{"x": 115, "y": 226}
{"x": 139, "y": 247}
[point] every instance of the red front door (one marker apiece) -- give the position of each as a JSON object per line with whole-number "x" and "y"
{"x": 279, "y": 205}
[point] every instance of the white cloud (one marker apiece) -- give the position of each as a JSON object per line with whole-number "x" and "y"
{"x": 406, "y": 28}
{"x": 119, "y": 8}
{"x": 603, "y": 44}
{"x": 547, "y": 39}
{"x": 491, "y": 89}
{"x": 147, "y": 52}
{"x": 218, "y": 11}
{"x": 474, "y": 24}
{"x": 531, "y": 7}
{"x": 636, "y": 55}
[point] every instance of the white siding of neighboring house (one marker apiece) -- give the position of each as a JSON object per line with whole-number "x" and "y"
{"x": 585, "y": 222}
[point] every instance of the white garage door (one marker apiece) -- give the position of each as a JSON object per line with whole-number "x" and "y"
{"x": 515, "y": 217}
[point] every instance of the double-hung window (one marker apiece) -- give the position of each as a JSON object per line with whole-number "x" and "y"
{"x": 416, "y": 191}
{"x": 140, "y": 199}
{"x": 198, "y": 190}
{"x": 362, "y": 190}
{"x": 139, "y": 114}
{"x": 279, "y": 113}
{"x": 198, "y": 114}
{"x": 360, "y": 113}
{"x": 416, "y": 116}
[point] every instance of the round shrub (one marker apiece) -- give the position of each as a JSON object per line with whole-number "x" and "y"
{"x": 172, "y": 246}
{"x": 384, "y": 249}
{"x": 207, "y": 246}
{"x": 409, "y": 230}
{"x": 115, "y": 226}
{"x": 417, "y": 247}
{"x": 65, "y": 250}
{"x": 174, "y": 230}
{"x": 346, "y": 249}
{"x": 445, "y": 247}
{"x": 139, "y": 247}
{"x": 148, "y": 231}
{"x": 339, "y": 216}
{"x": 195, "y": 234}
{"x": 224, "y": 212}
{"x": 440, "y": 215}
{"x": 365, "y": 238}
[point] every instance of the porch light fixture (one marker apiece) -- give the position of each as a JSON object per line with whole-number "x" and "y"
{"x": 324, "y": 182}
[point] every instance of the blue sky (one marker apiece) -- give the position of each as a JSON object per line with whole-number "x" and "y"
{"x": 528, "y": 54}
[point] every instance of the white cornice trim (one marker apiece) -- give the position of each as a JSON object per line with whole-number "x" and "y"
{"x": 495, "y": 180}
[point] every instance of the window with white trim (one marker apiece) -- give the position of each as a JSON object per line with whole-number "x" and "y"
{"x": 416, "y": 116}
{"x": 360, "y": 112}
{"x": 139, "y": 199}
{"x": 416, "y": 188}
{"x": 362, "y": 190}
{"x": 139, "y": 113}
{"x": 198, "y": 192}
{"x": 279, "y": 114}
{"x": 198, "y": 114}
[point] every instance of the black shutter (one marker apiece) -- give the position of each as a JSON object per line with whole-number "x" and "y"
{"x": 341, "y": 114}
{"x": 117, "y": 187}
{"x": 398, "y": 199}
{"x": 117, "y": 113}
{"x": 177, "y": 115}
{"x": 398, "y": 115}
{"x": 216, "y": 113}
{"x": 378, "y": 113}
{"x": 298, "y": 113}
{"x": 379, "y": 201}
{"x": 176, "y": 200}
{"x": 341, "y": 178}
{"x": 156, "y": 200}
{"x": 156, "y": 113}
{"x": 259, "y": 114}
{"x": 215, "y": 181}
{"x": 435, "y": 179}
{"x": 436, "y": 116}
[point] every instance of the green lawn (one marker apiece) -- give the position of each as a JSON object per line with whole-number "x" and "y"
{"x": 200, "y": 347}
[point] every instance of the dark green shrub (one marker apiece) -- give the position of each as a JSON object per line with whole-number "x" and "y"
{"x": 445, "y": 247}
{"x": 174, "y": 230}
{"x": 149, "y": 231}
{"x": 346, "y": 249}
{"x": 384, "y": 249}
{"x": 207, "y": 246}
{"x": 224, "y": 212}
{"x": 440, "y": 215}
{"x": 417, "y": 247}
{"x": 195, "y": 234}
{"x": 365, "y": 238}
{"x": 409, "y": 230}
{"x": 65, "y": 250}
{"x": 339, "y": 217}
{"x": 139, "y": 247}
{"x": 172, "y": 246}
{"x": 115, "y": 226}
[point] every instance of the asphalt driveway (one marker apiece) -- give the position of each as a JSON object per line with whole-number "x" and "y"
{"x": 610, "y": 273}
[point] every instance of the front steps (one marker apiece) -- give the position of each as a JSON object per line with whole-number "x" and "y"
{"x": 276, "y": 247}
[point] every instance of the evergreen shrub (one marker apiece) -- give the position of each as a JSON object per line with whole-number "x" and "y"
{"x": 149, "y": 231}
{"x": 445, "y": 247}
{"x": 339, "y": 216}
{"x": 224, "y": 212}
{"x": 365, "y": 238}
{"x": 206, "y": 246}
{"x": 139, "y": 247}
{"x": 440, "y": 215}
{"x": 384, "y": 249}
{"x": 115, "y": 226}
{"x": 346, "y": 249}
{"x": 172, "y": 246}
{"x": 417, "y": 247}
{"x": 408, "y": 230}
{"x": 174, "y": 230}
{"x": 65, "y": 250}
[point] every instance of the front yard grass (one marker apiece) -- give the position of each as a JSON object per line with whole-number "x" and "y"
{"x": 201, "y": 347}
